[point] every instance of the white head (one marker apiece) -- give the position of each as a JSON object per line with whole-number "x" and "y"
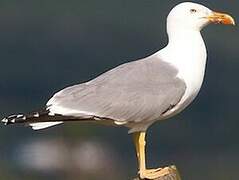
{"x": 193, "y": 16}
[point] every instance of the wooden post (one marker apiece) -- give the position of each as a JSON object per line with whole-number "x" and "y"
{"x": 172, "y": 174}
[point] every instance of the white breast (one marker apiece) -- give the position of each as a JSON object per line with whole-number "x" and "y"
{"x": 188, "y": 55}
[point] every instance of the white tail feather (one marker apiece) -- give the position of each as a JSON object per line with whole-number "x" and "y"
{"x": 43, "y": 125}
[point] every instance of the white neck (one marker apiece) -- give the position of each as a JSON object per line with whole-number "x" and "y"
{"x": 187, "y": 52}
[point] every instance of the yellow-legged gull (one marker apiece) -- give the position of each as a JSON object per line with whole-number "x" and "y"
{"x": 139, "y": 93}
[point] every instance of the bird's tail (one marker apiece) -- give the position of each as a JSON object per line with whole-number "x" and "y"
{"x": 37, "y": 119}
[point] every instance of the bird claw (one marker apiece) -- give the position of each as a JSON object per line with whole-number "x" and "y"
{"x": 154, "y": 173}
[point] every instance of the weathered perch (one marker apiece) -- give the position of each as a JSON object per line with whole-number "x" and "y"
{"x": 172, "y": 174}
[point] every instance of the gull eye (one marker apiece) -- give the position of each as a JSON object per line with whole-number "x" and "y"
{"x": 193, "y": 10}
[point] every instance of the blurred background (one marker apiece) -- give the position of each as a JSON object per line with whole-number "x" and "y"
{"x": 50, "y": 44}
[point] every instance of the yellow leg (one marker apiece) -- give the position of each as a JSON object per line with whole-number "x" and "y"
{"x": 139, "y": 141}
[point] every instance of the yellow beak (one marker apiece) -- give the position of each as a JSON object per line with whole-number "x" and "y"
{"x": 221, "y": 18}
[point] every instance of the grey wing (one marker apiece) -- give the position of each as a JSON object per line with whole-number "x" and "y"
{"x": 137, "y": 91}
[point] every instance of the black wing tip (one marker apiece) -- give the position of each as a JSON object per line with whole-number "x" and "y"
{"x": 23, "y": 118}
{"x": 13, "y": 119}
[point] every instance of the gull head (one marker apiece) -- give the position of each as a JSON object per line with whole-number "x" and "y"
{"x": 193, "y": 16}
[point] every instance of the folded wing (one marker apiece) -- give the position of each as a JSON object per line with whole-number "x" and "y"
{"x": 137, "y": 91}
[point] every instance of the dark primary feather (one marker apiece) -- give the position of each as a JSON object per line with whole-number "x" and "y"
{"x": 34, "y": 117}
